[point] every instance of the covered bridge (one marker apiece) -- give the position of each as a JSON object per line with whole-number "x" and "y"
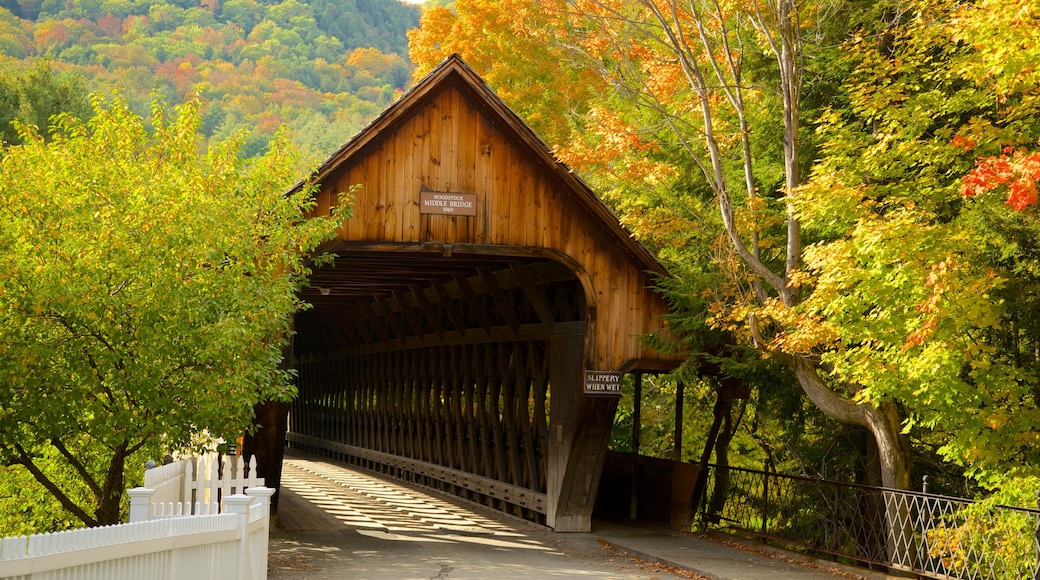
{"x": 482, "y": 308}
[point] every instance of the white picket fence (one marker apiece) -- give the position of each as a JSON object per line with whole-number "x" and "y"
{"x": 196, "y": 483}
{"x": 171, "y": 540}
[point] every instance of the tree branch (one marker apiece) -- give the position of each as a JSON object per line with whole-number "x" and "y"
{"x": 26, "y": 461}
{"x": 832, "y": 404}
{"x": 78, "y": 466}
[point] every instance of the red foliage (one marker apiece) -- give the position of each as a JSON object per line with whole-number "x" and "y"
{"x": 1016, "y": 170}
{"x": 110, "y": 25}
{"x": 56, "y": 35}
{"x": 270, "y": 123}
{"x": 962, "y": 142}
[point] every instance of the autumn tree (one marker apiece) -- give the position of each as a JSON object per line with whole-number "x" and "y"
{"x": 726, "y": 81}
{"x": 512, "y": 45}
{"x": 147, "y": 298}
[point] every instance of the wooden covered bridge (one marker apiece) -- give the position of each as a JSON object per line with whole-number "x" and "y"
{"x": 482, "y": 309}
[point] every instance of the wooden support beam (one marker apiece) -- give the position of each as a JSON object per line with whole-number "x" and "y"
{"x": 368, "y": 311}
{"x": 534, "y": 296}
{"x": 677, "y": 441}
{"x": 347, "y": 326}
{"x": 388, "y": 313}
{"x": 409, "y": 313}
{"x": 364, "y": 331}
{"x": 475, "y": 303}
{"x": 578, "y": 435}
{"x": 332, "y": 340}
{"x": 528, "y": 332}
{"x": 505, "y": 305}
{"x": 637, "y": 425}
{"x": 431, "y": 314}
{"x": 450, "y": 306}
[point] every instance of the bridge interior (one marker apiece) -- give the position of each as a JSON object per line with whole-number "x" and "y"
{"x": 436, "y": 368}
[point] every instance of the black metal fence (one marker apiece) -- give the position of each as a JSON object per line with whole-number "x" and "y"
{"x": 930, "y": 535}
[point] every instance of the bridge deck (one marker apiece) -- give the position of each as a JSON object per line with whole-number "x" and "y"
{"x": 335, "y": 522}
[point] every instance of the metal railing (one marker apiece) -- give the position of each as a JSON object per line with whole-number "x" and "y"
{"x": 930, "y": 535}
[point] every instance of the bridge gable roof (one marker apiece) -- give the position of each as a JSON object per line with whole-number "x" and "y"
{"x": 452, "y": 135}
{"x": 454, "y": 75}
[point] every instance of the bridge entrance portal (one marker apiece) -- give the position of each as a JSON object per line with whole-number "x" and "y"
{"x": 477, "y": 282}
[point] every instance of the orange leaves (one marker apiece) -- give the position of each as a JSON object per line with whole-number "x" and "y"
{"x": 938, "y": 281}
{"x": 426, "y": 43}
{"x": 962, "y": 142}
{"x": 1016, "y": 171}
{"x": 1005, "y": 41}
{"x": 664, "y": 79}
{"x": 512, "y": 45}
{"x": 611, "y": 144}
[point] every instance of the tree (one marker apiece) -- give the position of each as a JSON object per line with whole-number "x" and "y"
{"x": 726, "y": 81}
{"x": 35, "y": 95}
{"x": 147, "y": 297}
{"x": 511, "y": 44}
{"x": 929, "y": 296}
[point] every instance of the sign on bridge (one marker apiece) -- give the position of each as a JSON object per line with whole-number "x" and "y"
{"x": 441, "y": 202}
{"x": 602, "y": 383}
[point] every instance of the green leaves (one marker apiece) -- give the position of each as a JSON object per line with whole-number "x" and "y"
{"x": 150, "y": 289}
{"x": 929, "y": 292}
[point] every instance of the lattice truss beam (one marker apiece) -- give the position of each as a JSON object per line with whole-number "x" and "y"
{"x": 443, "y": 361}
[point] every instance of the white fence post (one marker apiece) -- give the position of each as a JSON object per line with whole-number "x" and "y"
{"x": 239, "y": 504}
{"x": 258, "y": 538}
{"x": 140, "y": 504}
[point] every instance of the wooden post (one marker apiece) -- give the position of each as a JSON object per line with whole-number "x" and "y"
{"x": 680, "y": 389}
{"x": 637, "y": 407}
{"x": 637, "y": 425}
{"x": 565, "y": 376}
{"x": 579, "y": 433}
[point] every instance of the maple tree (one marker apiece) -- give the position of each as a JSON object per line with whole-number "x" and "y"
{"x": 703, "y": 70}
{"x": 928, "y": 296}
{"x": 513, "y": 45}
{"x": 147, "y": 297}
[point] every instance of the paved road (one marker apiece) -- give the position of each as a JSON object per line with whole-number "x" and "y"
{"x": 335, "y": 523}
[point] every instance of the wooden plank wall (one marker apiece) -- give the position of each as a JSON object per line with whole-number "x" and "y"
{"x": 449, "y": 144}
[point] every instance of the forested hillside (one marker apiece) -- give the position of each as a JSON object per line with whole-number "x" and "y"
{"x": 323, "y": 67}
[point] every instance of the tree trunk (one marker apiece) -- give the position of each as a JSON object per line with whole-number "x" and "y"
{"x": 268, "y": 445}
{"x": 111, "y": 497}
{"x": 721, "y": 489}
{"x": 884, "y": 424}
{"x": 882, "y": 421}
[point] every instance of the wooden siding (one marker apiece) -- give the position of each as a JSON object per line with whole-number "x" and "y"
{"x": 449, "y": 141}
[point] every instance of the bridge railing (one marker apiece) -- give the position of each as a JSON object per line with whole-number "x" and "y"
{"x": 930, "y": 535}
